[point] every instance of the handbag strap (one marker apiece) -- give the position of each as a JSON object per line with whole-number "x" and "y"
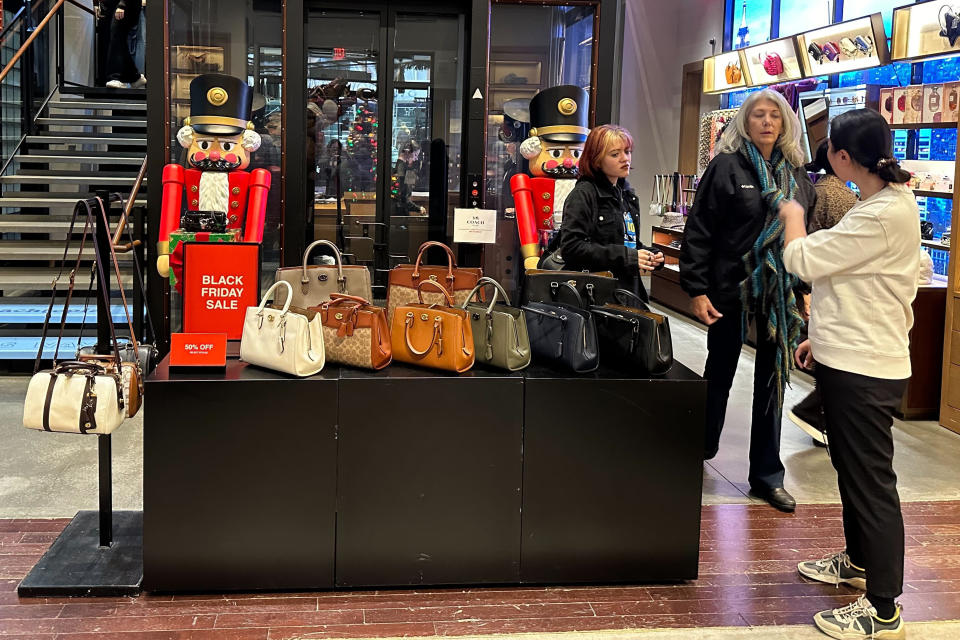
{"x": 277, "y": 285}
{"x": 123, "y": 296}
{"x": 341, "y": 279}
{"x": 140, "y": 279}
{"x": 487, "y": 282}
{"x": 69, "y": 298}
{"x": 451, "y": 261}
{"x": 446, "y": 294}
{"x": 557, "y": 286}
{"x": 619, "y": 294}
{"x": 336, "y": 299}
{"x": 436, "y": 338}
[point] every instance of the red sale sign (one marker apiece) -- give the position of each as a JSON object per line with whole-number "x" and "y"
{"x": 220, "y": 280}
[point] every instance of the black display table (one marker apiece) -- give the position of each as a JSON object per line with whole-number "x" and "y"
{"x": 255, "y": 480}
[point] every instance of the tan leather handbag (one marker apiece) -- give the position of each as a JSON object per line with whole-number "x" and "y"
{"x": 405, "y": 278}
{"x": 129, "y": 375}
{"x": 355, "y": 332}
{"x": 313, "y": 283}
{"x": 434, "y": 335}
{"x": 499, "y": 330}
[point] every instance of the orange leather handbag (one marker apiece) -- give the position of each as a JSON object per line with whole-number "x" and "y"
{"x": 435, "y": 335}
{"x": 405, "y": 278}
{"x": 355, "y": 332}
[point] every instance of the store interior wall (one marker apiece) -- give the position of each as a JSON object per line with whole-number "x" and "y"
{"x": 659, "y": 38}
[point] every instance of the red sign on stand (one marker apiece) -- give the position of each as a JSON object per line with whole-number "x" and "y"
{"x": 220, "y": 280}
{"x": 198, "y": 349}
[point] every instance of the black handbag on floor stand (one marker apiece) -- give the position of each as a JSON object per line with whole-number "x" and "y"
{"x": 563, "y": 334}
{"x": 633, "y": 337}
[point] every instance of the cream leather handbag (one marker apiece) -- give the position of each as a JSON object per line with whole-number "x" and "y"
{"x": 74, "y": 397}
{"x": 286, "y": 339}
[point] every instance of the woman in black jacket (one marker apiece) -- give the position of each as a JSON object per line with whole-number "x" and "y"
{"x": 602, "y": 213}
{"x": 733, "y": 251}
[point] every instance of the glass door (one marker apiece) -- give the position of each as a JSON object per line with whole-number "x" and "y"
{"x": 383, "y": 132}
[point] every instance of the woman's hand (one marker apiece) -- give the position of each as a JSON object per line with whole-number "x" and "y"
{"x": 805, "y": 311}
{"x": 648, "y": 260}
{"x": 119, "y": 13}
{"x": 704, "y": 310}
{"x": 804, "y": 355}
{"x": 789, "y": 210}
{"x": 791, "y": 215}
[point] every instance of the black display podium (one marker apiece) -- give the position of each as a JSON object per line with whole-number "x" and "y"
{"x": 255, "y": 480}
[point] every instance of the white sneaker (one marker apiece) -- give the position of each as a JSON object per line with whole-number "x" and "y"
{"x": 139, "y": 82}
{"x": 116, "y": 84}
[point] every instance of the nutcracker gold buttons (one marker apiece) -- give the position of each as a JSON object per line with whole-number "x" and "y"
{"x": 235, "y": 191}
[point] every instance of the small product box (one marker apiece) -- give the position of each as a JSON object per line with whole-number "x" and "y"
{"x": 913, "y": 110}
{"x": 886, "y": 104}
{"x": 951, "y": 101}
{"x": 932, "y": 103}
{"x": 899, "y": 104}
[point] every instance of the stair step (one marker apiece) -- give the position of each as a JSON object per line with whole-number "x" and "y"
{"x": 39, "y": 278}
{"x": 59, "y": 159}
{"x": 26, "y": 347}
{"x": 105, "y": 93}
{"x": 13, "y": 223}
{"x": 66, "y": 121}
{"x": 34, "y": 313}
{"x": 44, "y": 250}
{"x": 91, "y": 104}
{"x": 77, "y": 180}
{"x": 67, "y": 202}
{"x": 79, "y": 138}
{"x": 83, "y": 152}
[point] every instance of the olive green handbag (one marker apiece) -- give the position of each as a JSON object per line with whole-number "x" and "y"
{"x": 499, "y": 331}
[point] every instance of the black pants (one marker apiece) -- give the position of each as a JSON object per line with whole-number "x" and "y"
{"x": 724, "y": 342}
{"x": 120, "y": 64}
{"x": 858, "y": 411}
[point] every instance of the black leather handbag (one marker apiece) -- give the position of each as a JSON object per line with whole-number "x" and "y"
{"x": 633, "y": 337}
{"x": 546, "y": 286}
{"x": 563, "y": 334}
{"x": 198, "y": 221}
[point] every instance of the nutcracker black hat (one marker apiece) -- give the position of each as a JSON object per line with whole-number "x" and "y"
{"x": 559, "y": 114}
{"x": 220, "y": 105}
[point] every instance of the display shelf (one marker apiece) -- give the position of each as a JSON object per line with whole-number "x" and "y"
{"x": 924, "y": 125}
{"x": 675, "y": 231}
{"x": 934, "y": 244}
{"x": 933, "y": 194}
{"x": 667, "y": 250}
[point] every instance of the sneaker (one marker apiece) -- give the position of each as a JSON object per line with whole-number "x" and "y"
{"x": 139, "y": 83}
{"x": 807, "y": 415}
{"x": 117, "y": 84}
{"x": 859, "y": 620}
{"x": 834, "y": 569}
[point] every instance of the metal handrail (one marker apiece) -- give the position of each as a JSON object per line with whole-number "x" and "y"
{"x": 13, "y": 22}
{"x": 127, "y": 209}
{"x": 29, "y": 41}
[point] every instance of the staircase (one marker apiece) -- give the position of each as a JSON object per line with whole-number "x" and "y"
{"x": 87, "y": 140}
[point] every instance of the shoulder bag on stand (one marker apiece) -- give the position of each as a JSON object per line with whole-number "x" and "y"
{"x": 312, "y": 284}
{"x": 355, "y": 332}
{"x": 435, "y": 335}
{"x": 283, "y": 338}
{"x": 631, "y": 336}
{"x": 406, "y": 278}
{"x": 545, "y": 286}
{"x": 94, "y": 395}
{"x": 499, "y": 331}
{"x": 563, "y": 334}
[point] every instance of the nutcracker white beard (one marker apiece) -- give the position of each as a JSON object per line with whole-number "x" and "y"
{"x": 214, "y": 191}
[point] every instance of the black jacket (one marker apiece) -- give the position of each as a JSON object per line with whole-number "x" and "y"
{"x": 591, "y": 235}
{"x": 727, "y": 217}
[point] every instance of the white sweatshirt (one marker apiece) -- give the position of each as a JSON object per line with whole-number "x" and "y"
{"x": 864, "y": 277}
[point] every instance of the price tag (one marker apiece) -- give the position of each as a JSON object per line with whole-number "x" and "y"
{"x": 475, "y": 225}
{"x": 198, "y": 349}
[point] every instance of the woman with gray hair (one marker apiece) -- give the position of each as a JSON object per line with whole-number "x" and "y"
{"x": 731, "y": 266}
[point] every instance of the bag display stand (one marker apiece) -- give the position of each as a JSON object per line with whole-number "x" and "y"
{"x": 100, "y": 553}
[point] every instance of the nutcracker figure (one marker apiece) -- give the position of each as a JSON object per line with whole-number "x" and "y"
{"x": 224, "y": 202}
{"x": 558, "y": 117}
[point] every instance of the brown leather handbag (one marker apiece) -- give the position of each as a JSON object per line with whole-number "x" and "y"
{"x": 435, "y": 335}
{"x": 355, "y": 332}
{"x": 405, "y": 278}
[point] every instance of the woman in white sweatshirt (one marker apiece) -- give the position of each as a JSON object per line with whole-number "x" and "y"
{"x": 864, "y": 277}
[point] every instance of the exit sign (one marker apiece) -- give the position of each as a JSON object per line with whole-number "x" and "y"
{"x": 339, "y": 53}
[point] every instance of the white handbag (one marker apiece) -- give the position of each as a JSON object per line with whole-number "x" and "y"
{"x": 74, "y": 397}
{"x": 286, "y": 339}
{"x": 313, "y": 284}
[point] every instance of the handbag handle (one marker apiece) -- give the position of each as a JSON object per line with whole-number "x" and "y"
{"x": 336, "y": 299}
{"x": 555, "y": 291}
{"x": 446, "y": 294}
{"x": 77, "y": 366}
{"x": 498, "y": 290}
{"x": 451, "y": 261}
{"x": 274, "y": 287}
{"x": 631, "y": 296}
{"x": 437, "y": 337}
{"x": 337, "y": 256}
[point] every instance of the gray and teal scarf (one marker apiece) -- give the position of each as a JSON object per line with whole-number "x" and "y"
{"x": 768, "y": 290}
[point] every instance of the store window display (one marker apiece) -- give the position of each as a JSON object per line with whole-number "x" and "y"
{"x": 732, "y": 237}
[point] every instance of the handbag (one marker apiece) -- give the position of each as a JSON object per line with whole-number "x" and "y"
{"x": 633, "y": 337}
{"x": 732, "y": 73}
{"x": 832, "y": 51}
{"x": 355, "y": 332}
{"x": 949, "y": 24}
{"x": 200, "y": 221}
{"x": 499, "y": 331}
{"x": 404, "y": 281}
{"x": 436, "y": 335}
{"x": 815, "y": 52}
{"x": 313, "y": 284}
{"x": 286, "y": 339}
{"x": 773, "y": 64}
{"x": 864, "y": 44}
{"x": 545, "y": 286}
{"x": 849, "y": 48}
{"x": 563, "y": 334}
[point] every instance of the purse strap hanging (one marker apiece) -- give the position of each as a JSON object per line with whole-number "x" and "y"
{"x": 337, "y": 256}
{"x": 106, "y": 293}
{"x": 140, "y": 279}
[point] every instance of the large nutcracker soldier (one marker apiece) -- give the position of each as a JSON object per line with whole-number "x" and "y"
{"x": 219, "y": 138}
{"x": 558, "y": 117}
